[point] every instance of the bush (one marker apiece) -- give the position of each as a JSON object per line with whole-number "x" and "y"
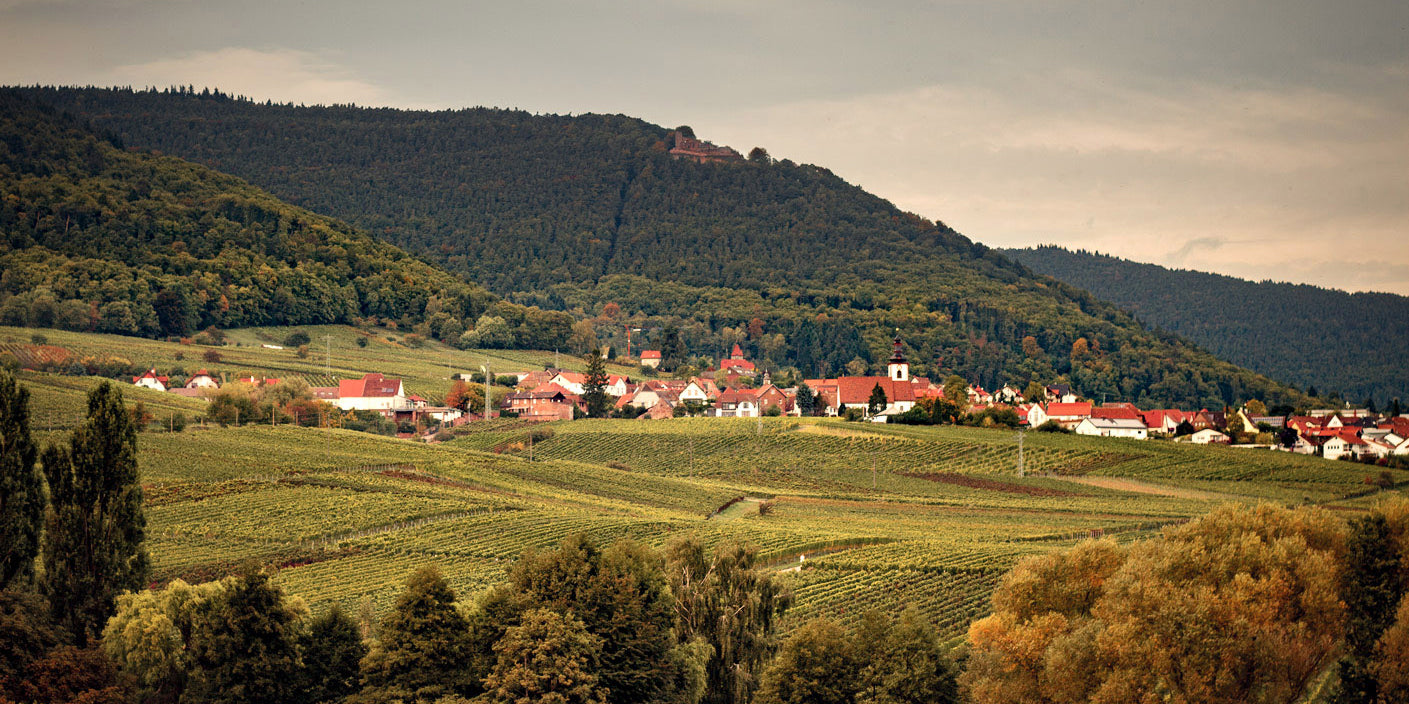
{"x": 211, "y": 356}
{"x": 301, "y": 352}
{"x": 297, "y": 338}
{"x": 38, "y": 339}
{"x": 415, "y": 340}
{"x": 361, "y": 341}
{"x": 1052, "y": 426}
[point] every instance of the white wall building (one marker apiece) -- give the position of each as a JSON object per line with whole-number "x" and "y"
{"x": 1113, "y": 428}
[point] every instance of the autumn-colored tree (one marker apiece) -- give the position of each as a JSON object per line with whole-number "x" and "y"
{"x": 1238, "y": 606}
{"x": 459, "y": 395}
{"x": 1031, "y": 349}
{"x": 1255, "y": 408}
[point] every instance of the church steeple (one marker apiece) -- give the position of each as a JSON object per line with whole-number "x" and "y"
{"x": 898, "y": 367}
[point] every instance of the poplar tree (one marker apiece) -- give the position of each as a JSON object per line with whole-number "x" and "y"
{"x": 94, "y": 529}
{"x": 21, "y": 486}
{"x": 594, "y": 388}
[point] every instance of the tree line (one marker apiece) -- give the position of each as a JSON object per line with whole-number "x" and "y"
{"x": 1315, "y": 337}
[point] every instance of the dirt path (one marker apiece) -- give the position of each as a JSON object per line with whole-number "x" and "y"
{"x": 747, "y": 506}
{"x": 1136, "y": 486}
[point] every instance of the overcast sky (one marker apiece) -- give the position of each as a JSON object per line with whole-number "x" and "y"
{"x": 1258, "y": 139}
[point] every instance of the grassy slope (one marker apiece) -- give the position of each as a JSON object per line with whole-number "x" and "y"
{"x": 348, "y": 515}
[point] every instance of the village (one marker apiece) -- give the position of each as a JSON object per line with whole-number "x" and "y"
{"x": 737, "y": 388}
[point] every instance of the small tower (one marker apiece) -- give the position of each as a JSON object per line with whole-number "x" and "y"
{"x": 899, "y": 368}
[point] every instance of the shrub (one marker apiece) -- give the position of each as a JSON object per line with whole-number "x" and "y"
{"x": 297, "y": 338}
{"x": 361, "y": 341}
{"x": 211, "y": 356}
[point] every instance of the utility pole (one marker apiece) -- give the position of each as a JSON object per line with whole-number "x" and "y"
{"x": 1021, "y": 471}
{"x": 873, "y": 470}
{"x": 485, "y": 371}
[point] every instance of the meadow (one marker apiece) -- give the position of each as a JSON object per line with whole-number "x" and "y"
{"x": 850, "y": 515}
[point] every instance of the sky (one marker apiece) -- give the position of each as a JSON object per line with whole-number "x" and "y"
{"x": 1265, "y": 140}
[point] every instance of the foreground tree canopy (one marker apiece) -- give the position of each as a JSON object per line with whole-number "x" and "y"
{"x": 1242, "y": 605}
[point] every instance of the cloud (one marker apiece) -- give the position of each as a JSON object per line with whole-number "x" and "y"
{"x": 282, "y": 75}
{"x": 1257, "y": 181}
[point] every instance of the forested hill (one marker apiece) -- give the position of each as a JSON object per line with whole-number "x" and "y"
{"x": 97, "y": 238}
{"x": 576, "y": 213}
{"x": 1352, "y": 343}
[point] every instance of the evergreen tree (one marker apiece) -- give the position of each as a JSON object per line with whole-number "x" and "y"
{"x": 245, "y": 650}
{"x": 332, "y": 656}
{"x": 594, "y": 388}
{"x": 815, "y": 666}
{"x": 548, "y": 658}
{"x": 22, "y": 499}
{"x": 95, "y": 527}
{"x": 878, "y": 400}
{"x": 806, "y": 399}
{"x": 423, "y": 651}
{"x": 672, "y": 349}
{"x": 1371, "y": 588}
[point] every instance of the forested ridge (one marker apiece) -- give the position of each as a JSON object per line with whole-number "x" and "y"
{"x": 97, "y": 238}
{"x": 575, "y": 213}
{"x": 1350, "y": 343}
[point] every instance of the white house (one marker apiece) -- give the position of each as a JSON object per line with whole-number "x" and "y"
{"x": 150, "y": 380}
{"x": 1207, "y": 436}
{"x": 698, "y": 391}
{"x": 372, "y": 392}
{"x": 650, "y": 358}
{"x": 1034, "y": 415}
{"x": 202, "y": 380}
{"x": 575, "y": 383}
{"x": 1113, "y": 428}
{"x": 736, "y": 403}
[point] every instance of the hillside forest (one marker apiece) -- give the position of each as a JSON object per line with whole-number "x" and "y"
{"x": 1347, "y": 344}
{"x": 590, "y": 215}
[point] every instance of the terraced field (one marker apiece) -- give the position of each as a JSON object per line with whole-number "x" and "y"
{"x": 851, "y": 516}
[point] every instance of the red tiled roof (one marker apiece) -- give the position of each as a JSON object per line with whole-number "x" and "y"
{"x": 369, "y": 386}
{"x": 650, "y": 354}
{"x": 1122, "y": 412}
{"x": 857, "y": 389}
{"x": 1080, "y": 408}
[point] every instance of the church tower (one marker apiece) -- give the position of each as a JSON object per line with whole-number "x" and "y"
{"x": 899, "y": 368}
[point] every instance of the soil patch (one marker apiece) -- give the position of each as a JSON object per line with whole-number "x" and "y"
{"x": 973, "y": 482}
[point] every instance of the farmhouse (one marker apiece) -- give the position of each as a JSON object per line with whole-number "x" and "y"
{"x": 373, "y": 392}
{"x": 1113, "y": 428}
{"x": 650, "y": 358}
{"x": 547, "y": 402}
{"x": 202, "y": 380}
{"x": 1068, "y": 415}
{"x": 150, "y": 380}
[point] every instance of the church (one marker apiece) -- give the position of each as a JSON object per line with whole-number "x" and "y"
{"x": 901, "y": 390}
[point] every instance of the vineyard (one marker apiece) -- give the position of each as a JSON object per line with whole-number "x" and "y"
{"x": 857, "y": 516}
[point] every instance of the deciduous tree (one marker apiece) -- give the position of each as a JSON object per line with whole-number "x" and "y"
{"x": 423, "y": 650}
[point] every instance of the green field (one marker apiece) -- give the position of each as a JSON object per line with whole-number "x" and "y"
{"x": 853, "y": 515}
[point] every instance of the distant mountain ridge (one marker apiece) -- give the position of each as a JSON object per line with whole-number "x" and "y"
{"x": 577, "y": 213}
{"x": 1356, "y": 344}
